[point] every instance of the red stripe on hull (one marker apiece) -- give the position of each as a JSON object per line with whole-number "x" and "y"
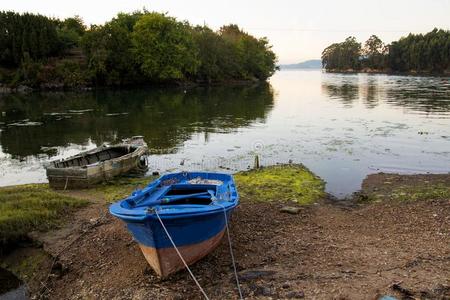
{"x": 166, "y": 261}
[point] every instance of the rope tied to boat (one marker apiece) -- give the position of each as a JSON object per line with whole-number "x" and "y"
{"x": 179, "y": 254}
{"x": 231, "y": 249}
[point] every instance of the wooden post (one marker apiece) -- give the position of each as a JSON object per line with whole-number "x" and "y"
{"x": 256, "y": 164}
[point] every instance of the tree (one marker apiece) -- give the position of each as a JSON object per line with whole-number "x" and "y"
{"x": 164, "y": 48}
{"x": 27, "y": 33}
{"x": 421, "y": 53}
{"x": 342, "y": 56}
{"x": 109, "y": 51}
{"x": 374, "y": 52}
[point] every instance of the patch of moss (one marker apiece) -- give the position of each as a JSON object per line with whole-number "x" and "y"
{"x": 25, "y": 208}
{"x": 280, "y": 183}
{"x": 421, "y": 192}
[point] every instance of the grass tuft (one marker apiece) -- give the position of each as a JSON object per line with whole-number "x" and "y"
{"x": 421, "y": 192}
{"x": 25, "y": 208}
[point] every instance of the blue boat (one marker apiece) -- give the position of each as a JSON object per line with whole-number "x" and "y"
{"x": 189, "y": 210}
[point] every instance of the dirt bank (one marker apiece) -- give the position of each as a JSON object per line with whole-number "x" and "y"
{"x": 326, "y": 251}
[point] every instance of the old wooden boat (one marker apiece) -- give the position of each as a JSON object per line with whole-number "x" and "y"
{"x": 188, "y": 210}
{"x": 97, "y": 165}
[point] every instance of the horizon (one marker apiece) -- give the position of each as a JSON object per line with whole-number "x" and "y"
{"x": 297, "y": 35}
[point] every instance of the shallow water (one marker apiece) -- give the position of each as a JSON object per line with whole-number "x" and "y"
{"x": 342, "y": 127}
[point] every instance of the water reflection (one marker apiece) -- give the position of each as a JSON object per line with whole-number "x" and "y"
{"x": 37, "y": 124}
{"x": 346, "y": 92}
{"x": 342, "y": 127}
{"x": 421, "y": 95}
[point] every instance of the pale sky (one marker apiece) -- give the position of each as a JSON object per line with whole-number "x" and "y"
{"x": 298, "y": 30}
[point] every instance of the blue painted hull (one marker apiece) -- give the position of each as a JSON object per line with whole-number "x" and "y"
{"x": 194, "y": 215}
{"x": 183, "y": 230}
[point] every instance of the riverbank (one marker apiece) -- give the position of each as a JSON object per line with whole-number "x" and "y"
{"x": 380, "y": 242}
{"x": 388, "y": 72}
{"x": 83, "y": 87}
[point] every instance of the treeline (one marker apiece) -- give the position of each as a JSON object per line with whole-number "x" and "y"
{"x": 132, "y": 49}
{"x": 36, "y": 37}
{"x": 417, "y": 53}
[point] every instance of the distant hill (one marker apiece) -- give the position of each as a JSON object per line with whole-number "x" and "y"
{"x": 309, "y": 64}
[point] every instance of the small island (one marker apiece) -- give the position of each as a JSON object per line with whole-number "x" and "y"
{"x": 133, "y": 49}
{"x": 414, "y": 54}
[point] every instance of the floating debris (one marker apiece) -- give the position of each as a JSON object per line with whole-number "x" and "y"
{"x": 54, "y": 113}
{"x": 25, "y": 122}
{"x": 80, "y": 110}
{"x": 116, "y": 114}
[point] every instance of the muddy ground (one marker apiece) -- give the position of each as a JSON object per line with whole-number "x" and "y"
{"x": 352, "y": 250}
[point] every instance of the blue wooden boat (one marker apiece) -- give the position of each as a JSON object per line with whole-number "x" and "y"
{"x": 191, "y": 208}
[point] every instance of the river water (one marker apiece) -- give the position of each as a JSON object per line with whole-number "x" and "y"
{"x": 342, "y": 127}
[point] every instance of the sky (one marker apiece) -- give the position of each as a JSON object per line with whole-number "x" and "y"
{"x": 298, "y": 30}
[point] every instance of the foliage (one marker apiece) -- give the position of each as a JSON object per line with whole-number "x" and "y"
{"x": 374, "y": 52}
{"x": 232, "y": 54}
{"x": 70, "y": 32}
{"x": 164, "y": 48}
{"x": 31, "y": 207}
{"x": 133, "y": 48}
{"x": 35, "y": 35}
{"x": 28, "y": 72}
{"x": 109, "y": 52}
{"x": 69, "y": 73}
{"x": 428, "y": 53}
{"x": 343, "y": 55}
{"x": 148, "y": 47}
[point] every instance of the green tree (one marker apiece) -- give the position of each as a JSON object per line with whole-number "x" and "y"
{"x": 70, "y": 32}
{"x": 374, "y": 52}
{"x": 27, "y": 33}
{"x": 342, "y": 56}
{"x": 421, "y": 53}
{"x": 109, "y": 52}
{"x": 164, "y": 48}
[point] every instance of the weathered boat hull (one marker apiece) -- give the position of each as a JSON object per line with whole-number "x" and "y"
{"x": 166, "y": 261}
{"x": 188, "y": 211}
{"x": 97, "y": 165}
{"x": 195, "y": 237}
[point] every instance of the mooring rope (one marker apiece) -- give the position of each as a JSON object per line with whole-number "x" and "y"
{"x": 231, "y": 251}
{"x": 181, "y": 257}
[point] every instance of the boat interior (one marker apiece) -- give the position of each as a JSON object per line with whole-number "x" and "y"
{"x": 177, "y": 194}
{"x": 95, "y": 157}
{"x": 189, "y": 194}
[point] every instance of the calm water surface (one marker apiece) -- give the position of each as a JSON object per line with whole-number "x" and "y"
{"x": 342, "y": 127}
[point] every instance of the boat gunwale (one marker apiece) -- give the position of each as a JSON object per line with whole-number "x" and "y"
{"x": 140, "y": 150}
{"x": 144, "y": 214}
{"x": 139, "y": 215}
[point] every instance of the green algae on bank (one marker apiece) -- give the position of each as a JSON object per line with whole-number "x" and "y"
{"x": 395, "y": 187}
{"x": 280, "y": 183}
{"x": 412, "y": 193}
{"x": 29, "y": 207}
